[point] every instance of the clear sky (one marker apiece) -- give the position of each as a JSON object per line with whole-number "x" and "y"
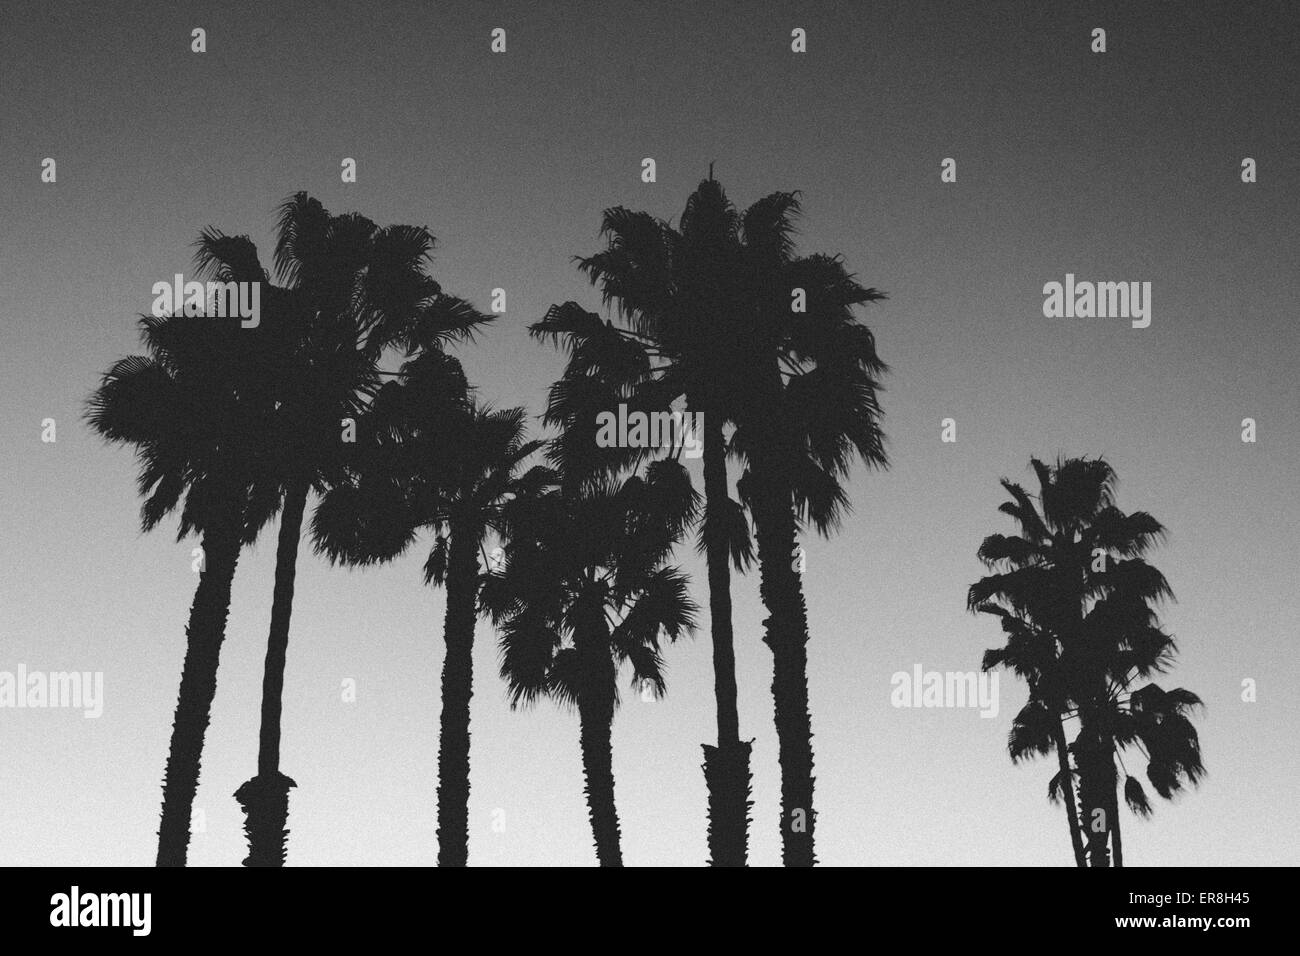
{"x": 1116, "y": 166}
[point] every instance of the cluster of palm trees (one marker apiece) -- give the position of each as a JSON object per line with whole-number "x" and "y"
{"x": 344, "y": 394}
{"x": 235, "y": 426}
{"x": 1076, "y": 599}
{"x": 721, "y": 313}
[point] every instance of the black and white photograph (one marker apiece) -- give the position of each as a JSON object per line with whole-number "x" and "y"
{"x": 861, "y": 434}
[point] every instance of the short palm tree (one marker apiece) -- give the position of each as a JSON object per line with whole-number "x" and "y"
{"x": 584, "y": 588}
{"x": 194, "y": 406}
{"x": 445, "y": 465}
{"x": 1033, "y": 654}
{"x": 611, "y": 366}
{"x": 1075, "y": 588}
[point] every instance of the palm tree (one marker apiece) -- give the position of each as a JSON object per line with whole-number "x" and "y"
{"x": 583, "y": 589}
{"x": 356, "y": 290}
{"x": 193, "y": 407}
{"x": 1074, "y": 584}
{"x": 1033, "y": 654}
{"x": 611, "y": 366}
{"x": 669, "y": 286}
{"x": 693, "y": 299}
{"x": 807, "y": 409}
{"x": 446, "y": 465}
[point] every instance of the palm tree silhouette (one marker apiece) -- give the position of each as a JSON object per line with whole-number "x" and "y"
{"x": 696, "y": 299}
{"x": 609, "y": 366}
{"x": 194, "y": 407}
{"x": 1033, "y": 653}
{"x": 671, "y": 286}
{"x": 1077, "y": 597}
{"x": 583, "y": 589}
{"x": 356, "y": 289}
{"x": 443, "y": 464}
{"x": 808, "y": 407}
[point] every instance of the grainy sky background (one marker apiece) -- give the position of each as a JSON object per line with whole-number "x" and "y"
{"x": 1122, "y": 166}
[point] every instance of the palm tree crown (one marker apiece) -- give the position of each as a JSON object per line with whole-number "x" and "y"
{"x": 1077, "y": 600}
{"x": 584, "y": 590}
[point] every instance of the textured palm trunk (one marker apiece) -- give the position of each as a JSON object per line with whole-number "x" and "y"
{"x": 265, "y": 798}
{"x": 1096, "y": 792}
{"x": 596, "y": 718}
{"x": 726, "y": 766}
{"x": 265, "y": 802}
{"x": 204, "y": 635}
{"x": 1067, "y": 788}
{"x": 786, "y": 626}
{"x": 786, "y": 633}
{"x": 457, "y": 688}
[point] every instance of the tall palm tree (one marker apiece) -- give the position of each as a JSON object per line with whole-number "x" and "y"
{"x": 696, "y": 301}
{"x": 671, "y": 287}
{"x": 806, "y": 411}
{"x": 444, "y": 465}
{"x": 1076, "y": 581}
{"x": 193, "y": 406}
{"x": 585, "y": 588}
{"x": 356, "y": 290}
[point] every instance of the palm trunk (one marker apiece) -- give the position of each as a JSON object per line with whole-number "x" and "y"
{"x": 457, "y": 688}
{"x": 786, "y": 626}
{"x": 265, "y": 802}
{"x": 786, "y": 633}
{"x": 204, "y": 635}
{"x": 265, "y": 798}
{"x": 1096, "y": 791}
{"x": 1116, "y": 844}
{"x": 726, "y": 766}
{"x": 1067, "y": 788}
{"x": 596, "y": 718}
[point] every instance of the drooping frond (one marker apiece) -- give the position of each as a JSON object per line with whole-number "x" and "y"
{"x": 1031, "y": 732}
{"x": 1136, "y": 797}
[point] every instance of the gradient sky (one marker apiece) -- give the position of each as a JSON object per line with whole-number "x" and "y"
{"x": 1122, "y": 166}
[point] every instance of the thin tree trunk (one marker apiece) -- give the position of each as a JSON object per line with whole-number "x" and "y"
{"x": 1067, "y": 788}
{"x": 204, "y": 635}
{"x": 1116, "y": 843}
{"x": 277, "y": 644}
{"x": 265, "y": 798}
{"x": 596, "y": 718}
{"x": 726, "y": 766}
{"x": 457, "y": 688}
